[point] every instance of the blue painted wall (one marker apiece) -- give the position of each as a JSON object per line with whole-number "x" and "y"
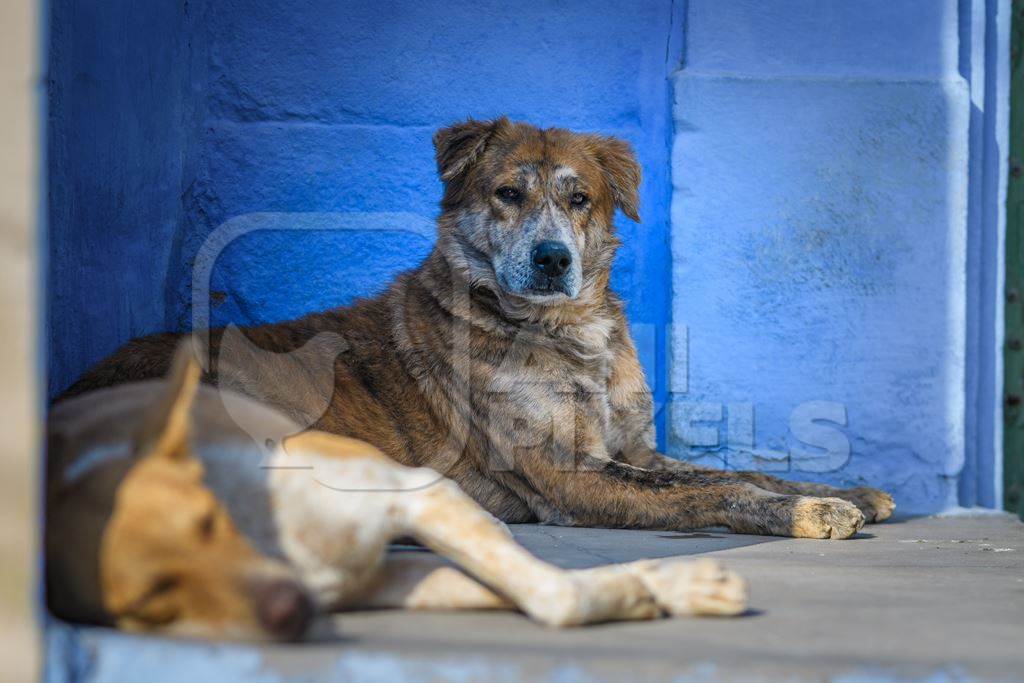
{"x": 820, "y": 243}
{"x": 803, "y": 274}
{"x": 984, "y": 46}
{"x": 118, "y": 142}
{"x": 318, "y": 106}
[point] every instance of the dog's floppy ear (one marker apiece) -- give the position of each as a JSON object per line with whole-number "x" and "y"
{"x": 458, "y": 146}
{"x": 621, "y": 170}
{"x": 165, "y": 425}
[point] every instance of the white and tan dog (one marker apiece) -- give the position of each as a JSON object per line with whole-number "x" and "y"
{"x": 161, "y": 516}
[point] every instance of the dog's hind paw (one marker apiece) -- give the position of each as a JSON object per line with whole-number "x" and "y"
{"x": 686, "y": 587}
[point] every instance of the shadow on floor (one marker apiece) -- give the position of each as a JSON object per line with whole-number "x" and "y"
{"x": 577, "y": 548}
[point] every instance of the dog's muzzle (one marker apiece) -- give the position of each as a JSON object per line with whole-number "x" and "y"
{"x": 551, "y": 262}
{"x": 284, "y": 609}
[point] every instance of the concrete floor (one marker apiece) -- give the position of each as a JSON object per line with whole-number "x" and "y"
{"x": 931, "y": 599}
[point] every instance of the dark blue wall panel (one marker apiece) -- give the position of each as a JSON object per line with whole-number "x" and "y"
{"x": 230, "y": 108}
{"x": 117, "y": 144}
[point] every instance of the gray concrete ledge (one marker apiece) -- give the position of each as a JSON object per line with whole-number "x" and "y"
{"x": 935, "y": 599}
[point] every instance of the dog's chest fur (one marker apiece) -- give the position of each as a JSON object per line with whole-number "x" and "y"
{"x": 461, "y": 388}
{"x": 502, "y": 391}
{"x": 548, "y": 386}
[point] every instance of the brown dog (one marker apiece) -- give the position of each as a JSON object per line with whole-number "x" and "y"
{"x": 161, "y": 516}
{"x": 505, "y": 362}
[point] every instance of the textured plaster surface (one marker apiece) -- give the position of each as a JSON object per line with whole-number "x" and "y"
{"x": 819, "y": 237}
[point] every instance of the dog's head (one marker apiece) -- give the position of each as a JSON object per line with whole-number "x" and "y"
{"x": 142, "y": 543}
{"x": 528, "y": 212}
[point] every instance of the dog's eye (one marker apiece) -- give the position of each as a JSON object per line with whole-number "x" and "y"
{"x": 508, "y": 194}
{"x": 160, "y": 587}
{"x": 578, "y": 199}
{"x": 207, "y": 525}
{"x": 155, "y": 607}
{"x": 163, "y": 585}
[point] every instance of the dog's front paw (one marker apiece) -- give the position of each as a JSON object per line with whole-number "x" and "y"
{"x": 825, "y": 518}
{"x": 876, "y": 505}
{"x": 684, "y": 587}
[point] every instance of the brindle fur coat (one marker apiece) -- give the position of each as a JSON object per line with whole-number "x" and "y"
{"x": 532, "y": 399}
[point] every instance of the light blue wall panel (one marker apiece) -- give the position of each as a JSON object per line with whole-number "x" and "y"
{"x": 863, "y": 38}
{"x": 819, "y": 235}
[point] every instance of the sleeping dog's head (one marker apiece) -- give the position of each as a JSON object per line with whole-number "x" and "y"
{"x": 141, "y": 543}
{"x": 528, "y": 212}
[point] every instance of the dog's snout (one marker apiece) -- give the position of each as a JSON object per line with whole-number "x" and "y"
{"x": 284, "y": 609}
{"x": 552, "y": 258}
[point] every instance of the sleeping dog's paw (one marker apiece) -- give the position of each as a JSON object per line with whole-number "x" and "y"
{"x": 876, "y": 505}
{"x": 825, "y": 518}
{"x": 687, "y": 587}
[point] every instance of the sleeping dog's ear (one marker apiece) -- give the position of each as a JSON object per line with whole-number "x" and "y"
{"x": 165, "y": 425}
{"x": 458, "y": 146}
{"x": 621, "y": 171}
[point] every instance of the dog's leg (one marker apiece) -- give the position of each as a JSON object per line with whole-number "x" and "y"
{"x": 446, "y": 520}
{"x": 339, "y": 501}
{"x": 632, "y": 409}
{"x": 424, "y": 581}
{"x": 599, "y": 491}
{"x": 876, "y": 505}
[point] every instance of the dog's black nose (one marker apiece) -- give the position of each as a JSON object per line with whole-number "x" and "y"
{"x": 552, "y": 258}
{"x": 284, "y": 609}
